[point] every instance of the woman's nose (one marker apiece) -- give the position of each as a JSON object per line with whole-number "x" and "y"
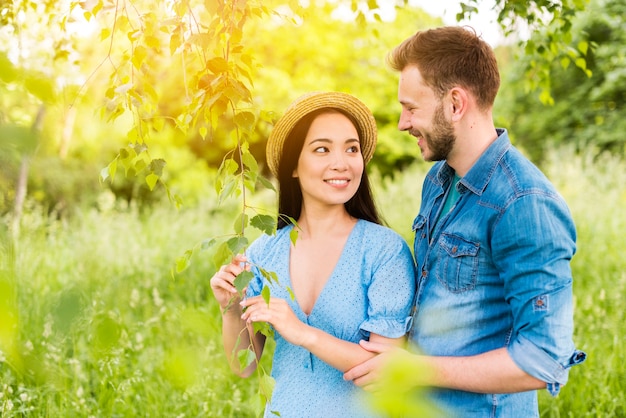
{"x": 338, "y": 161}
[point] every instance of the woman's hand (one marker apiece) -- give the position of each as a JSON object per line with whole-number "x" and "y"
{"x": 279, "y": 314}
{"x": 223, "y": 282}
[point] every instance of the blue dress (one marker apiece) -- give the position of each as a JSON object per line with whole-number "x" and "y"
{"x": 371, "y": 289}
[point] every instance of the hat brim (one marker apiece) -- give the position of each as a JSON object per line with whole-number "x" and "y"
{"x": 315, "y": 101}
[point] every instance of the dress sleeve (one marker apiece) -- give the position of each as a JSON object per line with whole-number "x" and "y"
{"x": 391, "y": 290}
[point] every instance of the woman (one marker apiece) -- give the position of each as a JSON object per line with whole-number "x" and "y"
{"x": 351, "y": 278}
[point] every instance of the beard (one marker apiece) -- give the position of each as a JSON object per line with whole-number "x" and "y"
{"x": 441, "y": 138}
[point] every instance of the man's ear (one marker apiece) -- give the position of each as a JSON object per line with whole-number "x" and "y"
{"x": 459, "y": 101}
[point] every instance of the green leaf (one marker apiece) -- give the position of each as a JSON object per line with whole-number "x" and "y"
{"x": 40, "y": 86}
{"x": 266, "y": 293}
{"x": 229, "y": 188}
{"x": 104, "y": 174}
{"x": 249, "y": 161}
{"x": 266, "y": 183}
{"x": 223, "y": 254}
{"x": 293, "y": 236}
{"x": 270, "y": 276}
{"x": 151, "y": 180}
{"x": 237, "y": 244}
{"x": 266, "y": 387}
{"x": 207, "y": 243}
{"x": 139, "y": 56}
{"x": 157, "y": 165}
{"x": 8, "y": 72}
{"x": 217, "y": 65}
{"x": 245, "y": 357}
{"x": 245, "y": 120}
{"x": 183, "y": 261}
{"x": 140, "y": 164}
{"x": 242, "y": 280}
{"x": 264, "y": 328}
{"x": 249, "y": 180}
{"x": 240, "y": 223}
{"x": 264, "y": 223}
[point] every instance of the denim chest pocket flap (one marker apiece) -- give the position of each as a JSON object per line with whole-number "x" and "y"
{"x": 457, "y": 264}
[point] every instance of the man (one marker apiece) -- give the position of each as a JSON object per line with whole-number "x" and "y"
{"x": 493, "y": 242}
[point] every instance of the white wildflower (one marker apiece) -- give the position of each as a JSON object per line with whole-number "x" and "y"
{"x": 134, "y": 298}
{"x": 47, "y": 329}
{"x": 156, "y": 297}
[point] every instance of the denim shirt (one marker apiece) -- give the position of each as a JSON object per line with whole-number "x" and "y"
{"x": 495, "y": 272}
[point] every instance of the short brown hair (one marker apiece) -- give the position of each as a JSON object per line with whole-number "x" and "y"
{"x": 450, "y": 56}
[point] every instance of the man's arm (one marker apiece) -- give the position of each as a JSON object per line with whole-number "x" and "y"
{"x": 490, "y": 372}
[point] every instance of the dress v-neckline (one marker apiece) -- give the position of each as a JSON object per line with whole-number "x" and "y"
{"x": 328, "y": 280}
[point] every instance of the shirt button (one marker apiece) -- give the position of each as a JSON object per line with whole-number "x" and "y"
{"x": 424, "y": 273}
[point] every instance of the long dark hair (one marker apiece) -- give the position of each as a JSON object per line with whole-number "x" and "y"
{"x": 360, "y": 206}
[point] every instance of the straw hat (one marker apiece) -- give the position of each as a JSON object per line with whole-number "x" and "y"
{"x": 312, "y": 102}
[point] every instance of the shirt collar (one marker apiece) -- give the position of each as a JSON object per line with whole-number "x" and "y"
{"x": 477, "y": 178}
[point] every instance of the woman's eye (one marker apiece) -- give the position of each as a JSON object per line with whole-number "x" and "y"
{"x": 353, "y": 149}
{"x": 320, "y": 149}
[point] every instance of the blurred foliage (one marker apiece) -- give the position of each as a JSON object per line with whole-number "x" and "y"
{"x": 589, "y": 112}
{"x": 201, "y": 78}
{"x": 554, "y": 20}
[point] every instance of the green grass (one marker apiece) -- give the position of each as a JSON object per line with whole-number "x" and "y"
{"x": 93, "y": 323}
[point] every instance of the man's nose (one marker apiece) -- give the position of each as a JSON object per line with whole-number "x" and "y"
{"x": 404, "y": 123}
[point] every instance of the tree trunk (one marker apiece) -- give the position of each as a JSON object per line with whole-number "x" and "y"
{"x": 21, "y": 188}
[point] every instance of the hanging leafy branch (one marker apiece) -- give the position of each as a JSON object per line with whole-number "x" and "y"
{"x": 549, "y": 23}
{"x": 205, "y": 41}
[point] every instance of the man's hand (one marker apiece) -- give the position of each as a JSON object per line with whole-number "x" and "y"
{"x": 367, "y": 374}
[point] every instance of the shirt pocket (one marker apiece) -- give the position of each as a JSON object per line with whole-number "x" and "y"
{"x": 457, "y": 264}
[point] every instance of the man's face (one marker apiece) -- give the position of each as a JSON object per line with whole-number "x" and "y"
{"x": 423, "y": 116}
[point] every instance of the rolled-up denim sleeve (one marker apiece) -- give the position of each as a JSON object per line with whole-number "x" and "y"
{"x": 537, "y": 363}
{"x": 535, "y": 267}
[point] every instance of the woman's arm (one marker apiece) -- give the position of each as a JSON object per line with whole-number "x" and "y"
{"x": 236, "y": 332}
{"x": 338, "y": 353}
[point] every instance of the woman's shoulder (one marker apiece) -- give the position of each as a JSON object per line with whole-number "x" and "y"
{"x": 372, "y": 228}
{"x": 381, "y": 235}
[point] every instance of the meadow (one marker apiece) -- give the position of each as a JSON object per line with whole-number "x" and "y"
{"x": 97, "y": 323}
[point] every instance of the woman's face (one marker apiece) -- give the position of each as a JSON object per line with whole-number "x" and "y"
{"x": 330, "y": 165}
